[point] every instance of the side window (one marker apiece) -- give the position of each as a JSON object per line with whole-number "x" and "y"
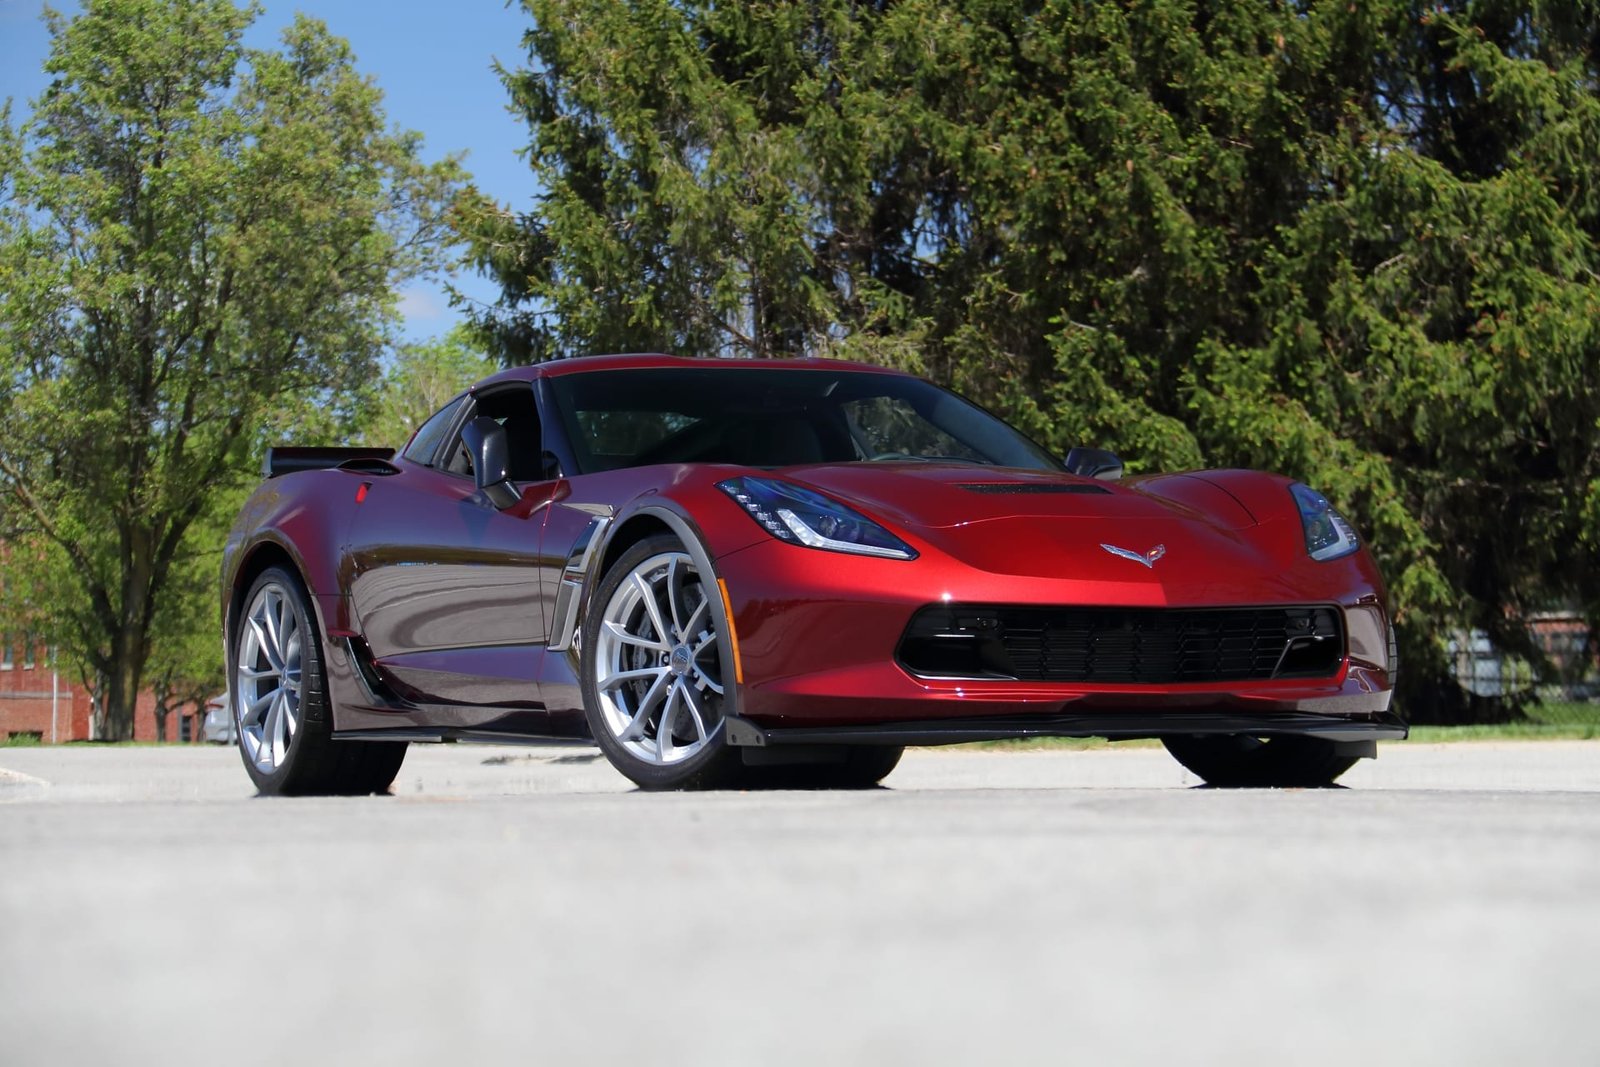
{"x": 515, "y": 410}
{"x": 425, "y": 442}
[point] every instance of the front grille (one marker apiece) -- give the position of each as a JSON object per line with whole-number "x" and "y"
{"x": 1128, "y": 645}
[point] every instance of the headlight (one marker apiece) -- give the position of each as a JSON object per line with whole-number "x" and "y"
{"x": 802, "y": 517}
{"x": 1328, "y": 535}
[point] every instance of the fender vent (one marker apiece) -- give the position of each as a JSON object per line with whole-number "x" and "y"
{"x": 1034, "y": 488}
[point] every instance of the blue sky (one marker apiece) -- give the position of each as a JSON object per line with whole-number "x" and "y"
{"x": 432, "y": 60}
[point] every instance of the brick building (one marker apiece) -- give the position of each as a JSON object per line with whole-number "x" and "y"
{"x": 38, "y": 699}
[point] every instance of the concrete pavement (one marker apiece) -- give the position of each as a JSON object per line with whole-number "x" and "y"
{"x": 524, "y": 905}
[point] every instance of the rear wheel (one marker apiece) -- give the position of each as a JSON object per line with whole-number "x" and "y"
{"x": 1283, "y": 761}
{"x": 280, "y": 701}
{"x": 653, "y": 678}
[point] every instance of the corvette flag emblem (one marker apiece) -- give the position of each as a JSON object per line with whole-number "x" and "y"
{"x": 1147, "y": 558}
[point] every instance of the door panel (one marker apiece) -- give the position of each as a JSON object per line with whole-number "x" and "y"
{"x": 447, "y": 590}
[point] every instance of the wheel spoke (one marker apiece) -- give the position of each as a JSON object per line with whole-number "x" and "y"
{"x": 707, "y": 642}
{"x": 280, "y": 732}
{"x": 669, "y": 717}
{"x": 272, "y": 619}
{"x": 263, "y": 703}
{"x": 269, "y": 732}
{"x": 706, "y": 681}
{"x": 641, "y": 716}
{"x": 673, "y": 589}
{"x": 648, "y": 597}
{"x": 616, "y": 630}
{"x": 611, "y": 681}
{"x": 264, "y": 644}
{"x": 693, "y": 705}
{"x": 697, "y": 619}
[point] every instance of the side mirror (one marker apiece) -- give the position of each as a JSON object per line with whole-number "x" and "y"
{"x": 485, "y": 441}
{"x": 1094, "y": 463}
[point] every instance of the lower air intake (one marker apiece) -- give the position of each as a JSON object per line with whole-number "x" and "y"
{"x": 1148, "y": 646}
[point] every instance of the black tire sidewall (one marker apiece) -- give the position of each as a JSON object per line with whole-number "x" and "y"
{"x": 1277, "y": 761}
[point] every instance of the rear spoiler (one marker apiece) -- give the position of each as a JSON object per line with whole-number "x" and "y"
{"x": 286, "y": 459}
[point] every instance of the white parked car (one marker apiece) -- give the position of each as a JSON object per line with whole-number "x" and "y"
{"x": 219, "y": 727}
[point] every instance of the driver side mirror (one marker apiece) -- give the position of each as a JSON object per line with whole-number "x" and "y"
{"x": 1094, "y": 463}
{"x": 485, "y": 441}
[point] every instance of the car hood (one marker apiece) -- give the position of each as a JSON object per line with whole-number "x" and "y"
{"x": 1044, "y": 524}
{"x": 938, "y": 496}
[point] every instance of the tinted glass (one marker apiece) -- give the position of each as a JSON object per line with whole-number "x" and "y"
{"x": 425, "y": 442}
{"x": 776, "y": 418}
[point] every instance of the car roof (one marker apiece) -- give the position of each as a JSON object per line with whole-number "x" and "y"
{"x": 656, "y": 361}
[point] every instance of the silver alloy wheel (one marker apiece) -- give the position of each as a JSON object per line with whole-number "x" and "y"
{"x": 268, "y": 678}
{"x": 656, "y": 666}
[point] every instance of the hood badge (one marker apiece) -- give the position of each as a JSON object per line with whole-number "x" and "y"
{"x": 1147, "y": 558}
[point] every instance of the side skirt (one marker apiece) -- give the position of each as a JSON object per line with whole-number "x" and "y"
{"x": 450, "y": 734}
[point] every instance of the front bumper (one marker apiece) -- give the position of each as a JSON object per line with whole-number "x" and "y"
{"x": 818, "y": 633}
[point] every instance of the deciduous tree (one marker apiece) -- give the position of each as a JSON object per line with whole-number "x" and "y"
{"x": 198, "y": 241}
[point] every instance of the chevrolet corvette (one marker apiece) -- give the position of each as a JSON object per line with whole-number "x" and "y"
{"x": 741, "y": 572}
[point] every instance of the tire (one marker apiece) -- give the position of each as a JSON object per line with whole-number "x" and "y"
{"x": 856, "y": 767}
{"x": 1242, "y": 761}
{"x": 650, "y": 660}
{"x": 281, "y": 711}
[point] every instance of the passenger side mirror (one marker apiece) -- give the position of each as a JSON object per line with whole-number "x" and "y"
{"x": 485, "y": 441}
{"x": 1094, "y": 463}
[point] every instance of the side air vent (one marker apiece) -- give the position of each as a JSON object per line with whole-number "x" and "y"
{"x": 1034, "y": 488}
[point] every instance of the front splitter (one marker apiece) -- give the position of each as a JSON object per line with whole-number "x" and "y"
{"x": 1121, "y": 726}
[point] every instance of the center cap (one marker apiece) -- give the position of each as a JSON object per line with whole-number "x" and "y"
{"x": 681, "y": 660}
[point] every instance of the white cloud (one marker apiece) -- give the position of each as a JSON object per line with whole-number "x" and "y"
{"x": 421, "y": 304}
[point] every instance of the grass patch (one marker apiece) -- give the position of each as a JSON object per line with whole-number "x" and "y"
{"x": 1507, "y": 731}
{"x": 1566, "y": 713}
{"x": 21, "y": 740}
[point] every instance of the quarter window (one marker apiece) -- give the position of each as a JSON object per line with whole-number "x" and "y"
{"x": 425, "y": 442}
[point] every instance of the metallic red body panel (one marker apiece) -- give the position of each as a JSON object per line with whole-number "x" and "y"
{"x": 819, "y": 637}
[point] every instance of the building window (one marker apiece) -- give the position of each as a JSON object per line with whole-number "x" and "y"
{"x": 5, "y": 652}
{"x": 28, "y": 646}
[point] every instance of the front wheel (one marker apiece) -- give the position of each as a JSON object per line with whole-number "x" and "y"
{"x": 654, "y": 685}
{"x": 1242, "y": 761}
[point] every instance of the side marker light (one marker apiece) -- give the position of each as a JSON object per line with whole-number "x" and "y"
{"x": 733, "y": 633}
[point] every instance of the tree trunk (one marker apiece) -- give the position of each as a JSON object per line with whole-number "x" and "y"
{"x": 122, "y": 687}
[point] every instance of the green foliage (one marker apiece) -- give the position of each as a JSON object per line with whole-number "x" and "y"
{"x": 199, "y": 245}
{"x": 418, "y": 382}
{"x": 1351, "y": 242}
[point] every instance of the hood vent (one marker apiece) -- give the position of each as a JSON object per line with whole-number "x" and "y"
{"x": 1034, "y": 488}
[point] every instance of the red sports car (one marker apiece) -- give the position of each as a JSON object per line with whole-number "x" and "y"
{"x": 784, "y": 571}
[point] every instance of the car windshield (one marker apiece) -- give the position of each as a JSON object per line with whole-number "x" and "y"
{"x": 778, "y": 417}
